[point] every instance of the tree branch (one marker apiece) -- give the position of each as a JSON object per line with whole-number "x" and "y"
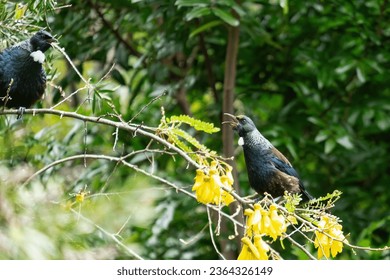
{"x": 111, "y": 235}
{"x": 137, "y": 169}
{"x": 133, "y": 128}
{"x": 114, "y": 31}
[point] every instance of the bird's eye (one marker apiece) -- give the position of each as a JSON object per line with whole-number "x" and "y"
{"x": 243, "y": 121}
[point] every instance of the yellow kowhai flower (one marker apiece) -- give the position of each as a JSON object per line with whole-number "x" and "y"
{"x": 249, "y": 251}
{"x": 262, "y": 247}
{"x": 249, "y": 222}
{"x": 208, "y": 188}
{"x": 256, "y": 251}
{"x": 80, "y": 197}
{"x": 278, "y": 223}
{"x": 202, "y": 187}
{"x": 261, "y": 221}
{"x": 253, "y": 222}
{"x": 226, "y": 197}
{"x": 325, "y": 241}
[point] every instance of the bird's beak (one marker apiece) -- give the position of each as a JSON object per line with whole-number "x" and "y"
{"x": 233, "y": 122}
{"x": 52, "y": 40}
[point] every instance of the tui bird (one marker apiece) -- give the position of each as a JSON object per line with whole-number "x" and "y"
{"x": 268, "y": 169}
{"x": 22, "y": 77}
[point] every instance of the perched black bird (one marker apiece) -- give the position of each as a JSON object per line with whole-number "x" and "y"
{"x": 22, "y": 77}
{"x": 268, "y": 169}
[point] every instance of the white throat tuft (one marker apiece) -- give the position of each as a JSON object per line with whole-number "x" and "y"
{"x": 241, "y": 141}
{"x": 38, "y": 56}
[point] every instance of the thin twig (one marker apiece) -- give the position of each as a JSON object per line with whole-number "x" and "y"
{"x": 132, "y": 166}
{"x": 71, "y": 63}
{"x": 300, "y": 247}
{"x": 111, "y": 235}
{"x": 165, "y": 92}
{"x": 121, "y": 125}
{"x": 194, "y": 238}
{"x": 116, "y": 32}
{"x": 123, "y": 226}
{"x": 212, "y": 235}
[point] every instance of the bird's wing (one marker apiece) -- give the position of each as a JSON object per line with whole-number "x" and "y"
{"x": 286, "y": 182}
{"x": 285, "y": 171}
{"x": 281, "y": 163}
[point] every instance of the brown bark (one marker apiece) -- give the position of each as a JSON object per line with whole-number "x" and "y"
{"x": 227, "y": 132}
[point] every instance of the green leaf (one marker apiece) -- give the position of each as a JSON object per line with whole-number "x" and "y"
{"x": 345, "y": 141}
{"x": 325, "y": 201}
{"x": 226, "y": 17}
{"x": 315, "y": 120}
{"x": 197, "y": 12}
{"x": 196, "y": 124}
{"x": 192, "y": 3}
{"x": 183, "y": 134}
{"x": 174, "y": 139}
{"x": 292, "y": 150}
{"x": 205, "y": 27}
{"x": 329, "y": 145}
{"x": 321, "y": 136}
{"x": 360, "y": 75}
{"x": 284, "y": 5}
{"x": 234, "y": 5}
{"x": 344, "y": 68}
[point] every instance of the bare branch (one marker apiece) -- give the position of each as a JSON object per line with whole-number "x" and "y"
{"x": 111, "y": 235}
{"x": 165, "y": 92}
{"x": 113, "y": 30}
{"x": 300, "y": 247}
{"x": 212, "y": 235}
{"x": 139, "y": 129}
{"x": 134, "y": 167}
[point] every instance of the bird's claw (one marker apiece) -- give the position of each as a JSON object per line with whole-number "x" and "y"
{"x": 21, "y": 111}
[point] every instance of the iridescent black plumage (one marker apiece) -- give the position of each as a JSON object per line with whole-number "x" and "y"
{"x": 268, "y": 169}
{"x": 22, "y": 77}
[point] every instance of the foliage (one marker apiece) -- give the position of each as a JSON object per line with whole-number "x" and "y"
{"x": 312, "y": 74}
{"x": 170, "y": 128}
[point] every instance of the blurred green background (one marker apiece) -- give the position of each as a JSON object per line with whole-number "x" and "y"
{"x": 313, "y": 75}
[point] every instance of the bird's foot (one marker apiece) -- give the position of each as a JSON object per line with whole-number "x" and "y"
{"x": 20, "y": 112}
{"x": 279, "y": 200}
{"x": 253, "y": 198}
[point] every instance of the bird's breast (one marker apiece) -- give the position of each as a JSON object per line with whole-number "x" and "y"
{"x": 23, "y": 79}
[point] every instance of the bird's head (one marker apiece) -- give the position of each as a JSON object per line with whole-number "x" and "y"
{"x": 41, "y": 41}
{"x": 242, "y": 124}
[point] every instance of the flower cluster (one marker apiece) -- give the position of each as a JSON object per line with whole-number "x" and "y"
{"x": 260, "y": 222}
{"x": 254, "y": 251}
{"x": 328, "y": 238}
{"x": 209, "y": 187}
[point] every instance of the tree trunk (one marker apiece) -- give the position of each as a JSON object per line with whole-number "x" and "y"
{"x": 227, "y": 132}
